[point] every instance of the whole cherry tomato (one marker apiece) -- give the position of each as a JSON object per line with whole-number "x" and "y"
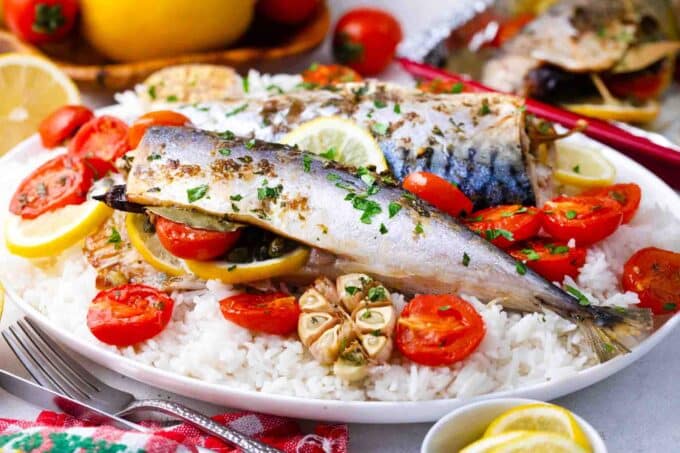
{"x": 41, "y": 21}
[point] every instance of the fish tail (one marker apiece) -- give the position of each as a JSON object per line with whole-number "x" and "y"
{"x": 610, "y": 325}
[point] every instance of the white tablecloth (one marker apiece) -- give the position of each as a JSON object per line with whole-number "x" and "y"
{"x": 637, "y": 410}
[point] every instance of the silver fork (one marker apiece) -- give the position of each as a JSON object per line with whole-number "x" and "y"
{"x": 52, "y": 367}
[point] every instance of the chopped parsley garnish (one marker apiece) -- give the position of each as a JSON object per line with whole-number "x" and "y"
{"x": 557, "y": 249}
{"x": 372, "y": 190}
{"x": 358, "y": 92}
{"x": 608, "y": 347}
{"x": 172, "y": 98}
{"x": 457, "y": 88}
{"x": 383, "y": 229}
{"x": 231, "y": 268}
{"x": 246, "y": 85}
{"x": 618, "y": 196}
{"x": 544, "y": 127}
{"x": 376, "y": 293}
{"x": 272, "y": 193}
{"x": 245, "y": 159}
{"x": 365, "y": 315}
{"x": 224, "y": 151}
{"x": 397, "y": 109}
{"x": 570, "y": 214}
{"x": 494, "y": 233}
{"x": 670, "y": 306}
{"x": 250, "y": 143}
{"x": 577, "y": 169}
{"x": 479, "y": 218}
{"x": 466, "y": 259}
{"x": 154, "y": 156}
{"x": 276, "y": 88}
{"x": 152, "y": 91}
{"x": 437, "y": 131}
{"x": 393, "y": 208}
{"x": 444, "y": 308}
{"x": 520, "y": 267}
{"x": 197, "y": 193}
{"x": 521, "y": 210}
{"x": 484, "y": 109}
{"x": 419, "y": 228}
{"x": 369, "y": 208}
{"x": 234, "y": 207}
{"x": 379, "y": 104}
{"x": 531, "y": 254}
{"x": 352, "y": 290}
{"x": 379, "y": 128}
{"x": 366, "y": 176}
{"x": 306, "y": 163}
{"x": 114, "y": 237}
{"x": 329, "y": 153}
{"x": 313, "y": 67}
{"x": 226, "y": 135}
{"x": 582, "y": 300}
{"x": 237, "y": 197}
{"x": 237, "y": 110}
{"x": 408, "y": 196}
{"x": 332, "y": 177}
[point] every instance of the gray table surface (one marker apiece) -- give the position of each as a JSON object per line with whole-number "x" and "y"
{"x": 636, "y": 410}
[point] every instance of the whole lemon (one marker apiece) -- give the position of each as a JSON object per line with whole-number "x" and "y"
{"x": 130, "y": 30}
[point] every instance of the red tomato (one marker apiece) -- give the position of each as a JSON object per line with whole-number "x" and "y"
{"x": 58, "y": 182}
{"x": 128, "y": 314}
{"x": 274, "y": 313}
{"x": 329, "y": 74}
{"x": 365, "y": 39}
{"x": 654, "y": 274}
{"x": 550, "y": 259}
{"x": 627, "y": 195}
{"x": 585, "y": 219}
{"x": 505, "y": 225}
{"x": 287, "y": 11}
{"x": 41, "y": 21}
{"x": 508, "y": 29}
{"x": 437, "y": 191}
{"x": 193, "y": 243}
{"x": 439, "y": 86}
{"x": 100, "y": 142}
{"x": 438, "y": 330}
{"x": 62, "y": 124}
{"x": 639, "y": 86}
{"x": 158, "y": 118}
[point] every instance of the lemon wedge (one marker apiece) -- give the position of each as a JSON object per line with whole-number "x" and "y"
{"x": 618, "y": 112}
{"x": 233, "y": 273}
{"x": 539, "y": 442}
{"x": 486, "y": 444}
{"x": 543, "y": 417}
{"x": 31, "y": 88}
{"x": 151, "y": 249}
{"x": 583, "y": 167}
{"x": 53, "y": 231}
{"x": 338, "y": 139}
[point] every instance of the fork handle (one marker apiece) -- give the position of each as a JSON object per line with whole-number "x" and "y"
{"x": 201, "y": 422}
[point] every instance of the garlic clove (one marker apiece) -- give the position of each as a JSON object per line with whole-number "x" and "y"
{"x": 375, "y": 319}
{"x": 313, "y": 301}
{"x": 312, "y": 325}
{"x": 350, "y": 288}
{"x": 378, "y": 347}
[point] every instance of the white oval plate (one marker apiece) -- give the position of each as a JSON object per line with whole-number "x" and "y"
{"x": 358, "y": 411}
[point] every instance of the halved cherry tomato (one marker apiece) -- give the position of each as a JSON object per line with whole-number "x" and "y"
{"x": 274, "y": 313}
{"x": 627, "y": 195}
{"x": 62, "y": 124}
{"x": 193, "y": 243}
{"x": 41, "y": 21}
{"x": 438, "y": 330}
{"x": 329, "y": 74}
{"x": 100, "y": 142}
{"x": 505, "y": 225}
{"x": 636, "y": 85}
{"x": 585, "y": 219}
{"x": 128, "y": 314}
{"x": 509, "y": 28}
{"x": 365, "y": 39}
{"x": 551, "y": 259}
{"x": 439, "y": 86}
{"x": 157, "y": 118}
{"x": 437, "y": 191}
{"x": 654, "y": 274}
{"x": 58, "y": 182}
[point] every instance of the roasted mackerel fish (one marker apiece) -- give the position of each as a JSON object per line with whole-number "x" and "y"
{"x": 377, "y": 229}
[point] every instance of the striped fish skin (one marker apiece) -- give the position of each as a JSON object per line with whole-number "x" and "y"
{"x": 415, "y": 249}
{"x": 476, "y": 141}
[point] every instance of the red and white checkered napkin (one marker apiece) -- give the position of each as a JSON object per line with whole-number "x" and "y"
{"x": 52, "y": 432}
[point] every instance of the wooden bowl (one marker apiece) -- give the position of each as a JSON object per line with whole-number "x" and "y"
{"x": 263, "y": 41}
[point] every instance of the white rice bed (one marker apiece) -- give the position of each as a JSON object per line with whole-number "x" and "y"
{"x": 198, "y": 342}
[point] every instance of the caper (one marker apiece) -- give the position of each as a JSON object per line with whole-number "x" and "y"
{"x": 148, "y": 227}
{"x": 277, "y": 247}
{"x": 238, "y": 255}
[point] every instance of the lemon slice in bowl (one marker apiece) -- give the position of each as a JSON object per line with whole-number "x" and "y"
{"x": 618, "y": 112}
{"x": 338, "y": 139}
{"x": 53, "y": 231}
{"x": 548, "y": 418}
{"x": 487, "y": 444}
{"x": 233, "y": 273}
{"x": 539, "y": 442}
{"x": 583, "y": 166}
{"x": 151, "y": 249}
{"x": 31, "y": 88}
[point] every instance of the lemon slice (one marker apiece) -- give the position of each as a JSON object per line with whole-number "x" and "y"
{"x": 233, "y": 273}
{"x": 539, "y": 442}
{"x": 31, "y": 88}
{"x": 618, "y": 112}
{"x": 339, "y": 139}
{"x": 486, "y": 444}
{"x": 151, "y": 249}
{"x": 583, "y": 167}
{"x": 539, "y": 417}
{"x": 53, "y": 231}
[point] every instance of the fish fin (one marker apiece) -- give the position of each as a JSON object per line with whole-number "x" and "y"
{"x": 610, "y": 325}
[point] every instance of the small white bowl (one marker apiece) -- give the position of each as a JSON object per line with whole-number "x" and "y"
{"x": 467, "y": 424}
